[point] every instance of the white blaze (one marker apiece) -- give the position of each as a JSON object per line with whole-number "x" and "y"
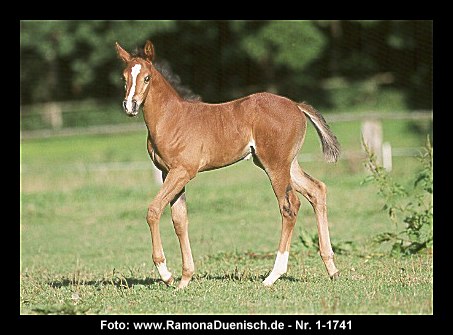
{"x": 135, "y": 71}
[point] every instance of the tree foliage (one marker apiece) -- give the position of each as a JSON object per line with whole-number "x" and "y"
{"x": 70, "y": 57}
{"x": 334, "y": 64}
{"x": 285, "y": 43}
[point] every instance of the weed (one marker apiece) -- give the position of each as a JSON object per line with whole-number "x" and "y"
{"x": 413, "y": 207}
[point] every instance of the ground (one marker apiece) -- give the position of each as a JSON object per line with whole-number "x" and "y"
{"x": 86, "y": 247}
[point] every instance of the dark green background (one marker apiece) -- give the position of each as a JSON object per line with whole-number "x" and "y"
{"x": 331, "y": 64}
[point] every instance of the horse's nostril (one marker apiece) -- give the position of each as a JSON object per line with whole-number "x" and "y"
{"x": 124, "y": 104}
{"x": 134, "y": 105}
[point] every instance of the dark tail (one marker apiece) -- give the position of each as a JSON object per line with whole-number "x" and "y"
{"x": 330, "y": 145}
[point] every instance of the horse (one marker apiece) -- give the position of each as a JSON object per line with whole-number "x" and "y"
{"x": 186, "y": 137}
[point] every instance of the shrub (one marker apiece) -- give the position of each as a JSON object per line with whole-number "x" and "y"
{"x": 412, "y": 208}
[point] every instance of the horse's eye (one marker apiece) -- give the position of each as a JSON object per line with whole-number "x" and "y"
{"x": 147, "y": 78}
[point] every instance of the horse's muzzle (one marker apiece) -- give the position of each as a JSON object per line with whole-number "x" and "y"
{"x": 130, "y": 109}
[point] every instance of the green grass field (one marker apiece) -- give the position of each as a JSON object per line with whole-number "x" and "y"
{"x": 86, "y": 247}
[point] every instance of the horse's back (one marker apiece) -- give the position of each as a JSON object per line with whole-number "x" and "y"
{"x": 265, "y": 121}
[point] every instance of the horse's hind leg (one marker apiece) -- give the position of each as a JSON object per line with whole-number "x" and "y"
{"x": 315, "y": 192}
{"x": 289, "y": 205}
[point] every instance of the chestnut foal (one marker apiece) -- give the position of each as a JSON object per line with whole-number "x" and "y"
{"x": 186, "y": 137}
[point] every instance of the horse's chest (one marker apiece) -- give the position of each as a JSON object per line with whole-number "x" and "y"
{"x": 157, "y": 159}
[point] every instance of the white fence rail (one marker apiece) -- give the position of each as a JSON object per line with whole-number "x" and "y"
{"x": 53, "y": 115}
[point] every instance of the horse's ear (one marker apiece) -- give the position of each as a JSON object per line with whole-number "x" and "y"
{"x": 149, "y": 50}
{"x": 124, "y": 55}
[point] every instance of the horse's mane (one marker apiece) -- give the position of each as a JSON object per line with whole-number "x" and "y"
{"x": 173, "y": 79}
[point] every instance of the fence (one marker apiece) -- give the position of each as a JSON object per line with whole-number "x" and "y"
{"x": 372, "y": 132}
{"x": 105, "y": 117}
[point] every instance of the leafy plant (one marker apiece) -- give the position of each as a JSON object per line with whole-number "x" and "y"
{"x": 310, "y": 242}
{"x": 413, "y": 208}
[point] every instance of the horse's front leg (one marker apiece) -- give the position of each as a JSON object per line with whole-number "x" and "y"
{"x": 181, "y": 225}
{"x": 173, "y": 184}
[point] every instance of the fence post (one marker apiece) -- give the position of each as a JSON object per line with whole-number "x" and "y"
{"x": 372, "y": 136}
{"x": 387, "y": 156}
{"x": 53, "y": 115}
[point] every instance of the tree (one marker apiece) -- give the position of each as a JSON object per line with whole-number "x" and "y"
{"x": 74, "y": 59}
{"x": 332, "y": 64}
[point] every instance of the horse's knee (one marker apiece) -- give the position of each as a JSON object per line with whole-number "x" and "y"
{"x": 153, "y": 215}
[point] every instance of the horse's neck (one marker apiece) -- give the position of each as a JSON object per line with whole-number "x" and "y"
{"x": 162, "y": 98}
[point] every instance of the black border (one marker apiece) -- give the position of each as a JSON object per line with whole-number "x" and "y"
{"x": 360, "y": 323}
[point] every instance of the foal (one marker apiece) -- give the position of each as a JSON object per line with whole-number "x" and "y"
{"x": 187, "y": 137}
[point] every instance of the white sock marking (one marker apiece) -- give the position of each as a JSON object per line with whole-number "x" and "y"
{"x": 163, "y": 271}
{"x": 280, "y": 267}
{"x": 135, "y": 71}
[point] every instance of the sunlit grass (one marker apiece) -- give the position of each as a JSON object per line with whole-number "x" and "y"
{"x": 86, "y": 247}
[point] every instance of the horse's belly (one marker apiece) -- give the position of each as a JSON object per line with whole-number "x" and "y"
{"x": 226, "y": 155}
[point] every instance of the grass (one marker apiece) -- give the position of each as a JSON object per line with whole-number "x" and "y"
{"x": 86, "y": 249}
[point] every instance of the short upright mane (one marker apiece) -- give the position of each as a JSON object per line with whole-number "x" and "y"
{"x": 173, "y": 79}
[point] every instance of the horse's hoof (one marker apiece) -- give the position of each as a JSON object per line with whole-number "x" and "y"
{"x": 335, "y": 276}
{"x": 268, "y": 282}
{"x": 170, "y": 281}
{"x": 181, "y": 286}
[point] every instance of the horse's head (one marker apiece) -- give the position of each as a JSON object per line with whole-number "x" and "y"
{"x": 137, "y": 77}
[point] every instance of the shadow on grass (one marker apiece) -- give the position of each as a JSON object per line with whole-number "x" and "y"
{"x": 128, "y": 282}
{"x": 244, "y": 277}
{"x": 120, "y": 282}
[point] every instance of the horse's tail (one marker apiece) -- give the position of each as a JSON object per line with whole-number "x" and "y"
{"x": 330, "y": 144}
